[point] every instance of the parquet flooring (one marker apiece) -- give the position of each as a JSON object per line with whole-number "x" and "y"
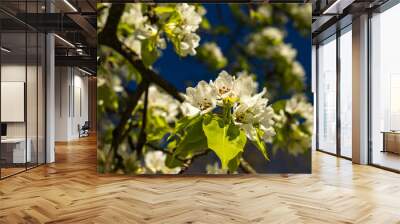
{"x": 70, "y": 191}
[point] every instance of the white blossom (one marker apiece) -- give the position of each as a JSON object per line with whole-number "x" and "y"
{"x": 161, "y": 43}
{"x": 142, "y": 29}
{"x": 213, "y": 51}
{"x": 272, "y": 33}
{"x": 155, "y": 162}
{"x": 146, "y": 31}
{"x": 223, "y": 85}
{"x": 134, "y": 16}
{"x": 250, "y": 111}
{"x": 201, "y": 10}
{"x": 189, "y": 110}
{"x": 162, "y": 104}
{"x": 189, "y": 43}
{"x": 199, "y": 100}
{"x": 190, "y": 18}
{"x": 253, "y": 111}
{"x": 227, "y": 86}
{"x": 113, "y": 82}
{"x": 264, "y": 37}
{"x": 264, "y": 10}
{"x": 215, "y": 169}
{"x": 297, "y": 70}
{"x": 184, "y": 29}
{"x": 269, "y": 43}
{"x": 103, "y": 14}
{"x": 301, "y": 12}
{"x": 300, "y": 129}
{"x": 245, "y": 85}
{"x": 298, "y": 105}
{"x": 134, "y": 44}
{"x": 101, "y": 81}
{"x": 286, "y": 51}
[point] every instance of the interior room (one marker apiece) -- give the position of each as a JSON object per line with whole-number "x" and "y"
{"x": 72, "y": 103}
{"x": 338, "y": 86}
{"x": 385, "y": 89}
{"x": 49, "y": 151}
{"x": 48, "y": 82}
{"x": 22, "y": 98}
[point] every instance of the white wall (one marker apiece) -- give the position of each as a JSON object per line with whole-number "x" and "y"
{"x": 12, "y": 73}
{"x": 71, "y": 102}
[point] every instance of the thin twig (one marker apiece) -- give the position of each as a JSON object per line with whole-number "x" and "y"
{"x": 118, "y": 132}
{"x": 109, "y": 38}
{"x": 142, "y": 134}
{"x": 247, "y": 167}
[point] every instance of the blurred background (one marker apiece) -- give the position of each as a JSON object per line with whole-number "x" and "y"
{"x": 270, "y": 41}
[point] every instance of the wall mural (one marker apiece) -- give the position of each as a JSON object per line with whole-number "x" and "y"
{"x": 204, "y": 88}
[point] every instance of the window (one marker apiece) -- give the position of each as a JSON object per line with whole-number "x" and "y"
{"x": 22, "y": 77}
{"x": 385, "y": 89}
{"x": 346, "y": 92}
{"x": 327, "y": 95}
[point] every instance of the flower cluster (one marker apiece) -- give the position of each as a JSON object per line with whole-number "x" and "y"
{"x": 249, "y": 110}
{"x": 143, "y": 29}
{"x": 298, "y": 105}
{"x": 183, "y": 29}
{"x": 268, "y": 44}
{"x": 269, "y": 35}
{"x": 301, "y": 14}
{"x": 162, "y": 104}
{"x": 212, "y": 55}
{"x": 179, "y": 22}
{"x": 102, "y": 14}
{"x": 114, "y": 82}
{"x": 273, "y": 38}
{"x": 264, "y": 10}
{"x": 296, "y": 116}
{"x": 298, "y": 70}
{"x": 155, "y": 163}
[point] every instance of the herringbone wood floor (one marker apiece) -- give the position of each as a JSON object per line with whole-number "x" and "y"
{"x": 70, "y": 191}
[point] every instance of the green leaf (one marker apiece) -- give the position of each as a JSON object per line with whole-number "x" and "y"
{"x": 205, "y": 24}
{"x": 279, "y": 105}
{"x": 182, "y": 124}
{"x": 234, "y": 163}
{"x": 172, "y": 162}
{"x": 149, "y": 52}
{"x": 226, "y": 140}
{"x": 193, "y": 142}
{"x": 164, "y": 9}
{"x": 156, "y": 128}
{"x": 259, "y": 143}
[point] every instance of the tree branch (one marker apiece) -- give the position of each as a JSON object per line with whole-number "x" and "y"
{"x": 247, "y": 167}
{"x": 142, "y": 134}
{"x": 109, "y": 38}
{"x": 119, "y": 130}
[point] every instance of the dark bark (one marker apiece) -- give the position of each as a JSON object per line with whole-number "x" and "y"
{"x": 108, "y": 37}
{"x": 142, "y": 134}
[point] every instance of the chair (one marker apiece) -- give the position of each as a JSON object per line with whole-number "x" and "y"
{"x": 84, "y": 130}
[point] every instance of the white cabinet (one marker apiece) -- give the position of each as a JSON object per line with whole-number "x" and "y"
{"x": 19, "y": 155}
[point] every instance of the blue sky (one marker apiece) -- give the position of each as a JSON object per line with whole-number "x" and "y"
{"x": 182, "y": 72}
